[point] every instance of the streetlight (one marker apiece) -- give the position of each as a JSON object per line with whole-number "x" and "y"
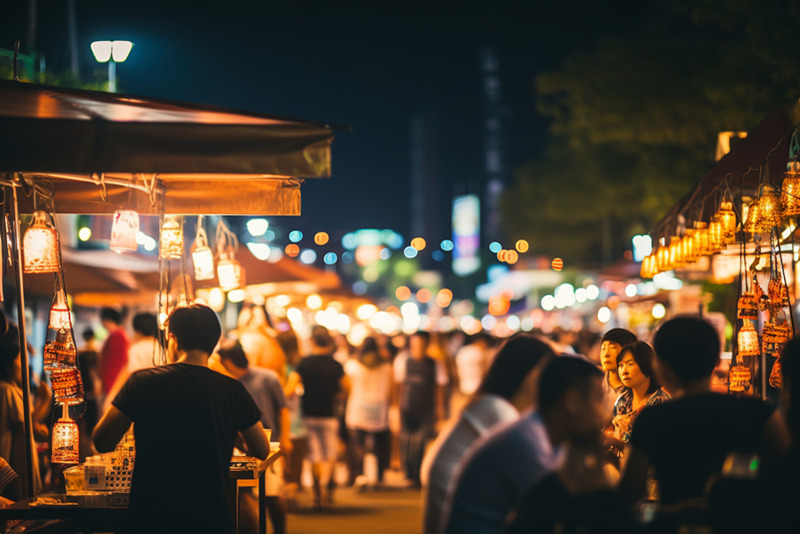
{"x": 112, "y": 52}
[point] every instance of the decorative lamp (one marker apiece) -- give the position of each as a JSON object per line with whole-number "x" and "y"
{"x": 701, "y": 247}
{"x": 40, "y": 246}
{"x": 769, "y": 210}
{"x": 67, "y": 385}
{"x": 662, "y": 259}
{"x": 716, "y": 235}
{"x": 747, "y": 307}
{"x": 202, "y": 257}
{"x": 171, "y": 239}
{"x": 66, "y": 441}
{"x": 229, "y": 273}
{"x": 124, "y": 231}
{"x": 689, "y": 254}
{"x": 748, "y": 340}
{"x": 727, "y": 218}
{"x": 676, "y": 253}
{"x": 750, "y": 225}
{"x": 59, "y": 312}
{"x": 648, "y": 269}
{"x": 790, "y": 190}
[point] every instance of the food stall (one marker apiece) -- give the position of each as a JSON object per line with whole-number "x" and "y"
{"x": 87, "y": 152}
{"x": 738, "y": 225}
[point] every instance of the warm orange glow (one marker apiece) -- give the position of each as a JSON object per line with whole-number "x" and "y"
{"x": 498, "y": 305}
{"x": 124, "y": 230}
{"x": 171, "y": 239}
{"x": 40, "y": 246}
{"x": 402, "y": 293}
{"x": 292, "y": 250}
{"x": 557, "y": 264}
{"x": 501, "y": 256}
{"x": 424, "y": 295}
{"x": 522, "y": 246}
{"x": 321, "y": 238}
{"x": 418, "y": 243}
{"x": 444, "y": 298}
{"x": 512, "y": 257}
{"x": 66, "y": 441}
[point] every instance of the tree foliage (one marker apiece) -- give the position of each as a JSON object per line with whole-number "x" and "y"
{"x": 634, "y": 120}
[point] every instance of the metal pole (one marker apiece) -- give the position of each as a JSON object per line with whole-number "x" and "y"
{"x": 112, "y": 76}
{"x": 28, "y": 481}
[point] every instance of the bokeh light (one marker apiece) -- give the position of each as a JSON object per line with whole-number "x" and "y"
{"x": 447, "y": 245}
{"x": 418, "y": 243}
{"x": 402, "y": 293}
{"x": 522, "y": 246}
{"x": 424, "y": 295}
{"x": 557, "y": 264}
{"x": 292, "y": 250}
{"x": 321, "y": 238}
{"x": 495, "y": 247}
{"x": 295, "y": 236}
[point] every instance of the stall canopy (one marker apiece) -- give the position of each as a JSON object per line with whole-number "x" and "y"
{"x": 103, "y": 150}
{"x": 739, "y": 171}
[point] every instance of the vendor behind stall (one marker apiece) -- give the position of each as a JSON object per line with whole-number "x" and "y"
{"x": 187, "y": 418}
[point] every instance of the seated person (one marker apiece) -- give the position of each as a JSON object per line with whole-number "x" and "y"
{"x": 687, "y": 440}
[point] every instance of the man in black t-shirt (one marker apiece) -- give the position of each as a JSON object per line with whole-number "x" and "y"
{"x": 186, "y": 420}
{"x": 324, "y": 382}
{"x": 687, "y": 440}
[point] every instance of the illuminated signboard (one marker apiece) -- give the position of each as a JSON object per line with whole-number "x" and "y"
{"x": 466, "y": 234}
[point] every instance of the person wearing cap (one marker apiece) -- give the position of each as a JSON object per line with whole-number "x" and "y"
{"x": 610, "y": 347}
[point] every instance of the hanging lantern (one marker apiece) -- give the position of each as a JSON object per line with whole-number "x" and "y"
{"x": 687, "y": 243}
{"x": 662, "y": 259}
{"x": 727, "y": 218}
{"x": 775, "y": 378}
{"x": 747, "y": 307}
{"x": 59, "y": 312}
{"x": 701, "y": 246}
{"x": 790, "y": 190}
{"x": 202, "y": 257}
{"x": 171, "y": 239}
{"x": 40, "y": 246}
{"x": 230, "y": 273}
{"x": 648, "y": 269}
{"x": 769, "y": 210}
{"x": 124, "y": 231}
{"x": 748, "y": 340}
{"x": 715, "y": 235}
{"x": 676, "y": 253}
{"x": 66, "y": 441}
{"x": 750, "y": 225}
{"x": 67, "y": 385}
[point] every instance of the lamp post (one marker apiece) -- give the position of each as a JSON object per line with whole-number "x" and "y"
{"x": 112, "y": 52}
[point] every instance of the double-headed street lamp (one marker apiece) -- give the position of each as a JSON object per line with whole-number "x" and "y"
{"x": 112, "y": 52}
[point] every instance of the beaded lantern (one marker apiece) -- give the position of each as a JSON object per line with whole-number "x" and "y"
{"x": 40, "y": 246}
{"x": 750, "y": 223}
{"x": 662, "y": 259}
{"x": 230, "y": 272}
{"x": 790, "y": 190}
{"x": 747, "y": 307}
{"x": 59, "y": 312}
{"x": 171, "y": 239}
{"x": 769, "y": 210}
{"x": 748, "y": 340}
{"x": 701, "y": 244}
{"x": 648, "y": 268}
{"x": 67, "y": 385}
{"x": 65, "y": 448}
{"x": 727, "y": 218}
{"x": 716, "y": 235}
{"x": 124, "y": 231}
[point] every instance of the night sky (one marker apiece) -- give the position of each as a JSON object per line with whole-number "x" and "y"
{"x": 366, "y": 65}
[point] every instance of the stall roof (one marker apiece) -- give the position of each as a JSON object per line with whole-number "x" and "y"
{"x": 93, "y": 146}
{"x": 739, "y": 170}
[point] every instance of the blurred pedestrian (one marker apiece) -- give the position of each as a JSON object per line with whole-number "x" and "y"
{"x": 324, "y": 382}
{"x": 502, "y": 467}
{"x": 144, "y": 350}
{"x": 293, "y": 390}
{"x": 265, "y": 388}
{"x": 420, "y": 380}
{"x": 367, "y": 412}
{"x": 114, "y": 354}
{"x": 508, "y": 389}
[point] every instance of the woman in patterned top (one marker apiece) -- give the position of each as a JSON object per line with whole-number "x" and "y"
{"x": 641, "y": 389}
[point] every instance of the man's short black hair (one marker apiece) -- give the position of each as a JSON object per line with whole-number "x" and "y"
{"x": 232, "y": 350}
{"x": 689, "y": 345}
{"x": 195, "y": 327}
{"x": 322, "y": 338}
{"x": 146, "y": 324}
{"x": 562, "y": 374}
{"x": 111, "y": 314}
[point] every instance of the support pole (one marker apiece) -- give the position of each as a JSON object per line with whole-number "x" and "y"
{"x": 27, "y": 482}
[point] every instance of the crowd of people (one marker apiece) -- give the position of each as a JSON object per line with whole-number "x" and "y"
{"x": 529, "y": 434}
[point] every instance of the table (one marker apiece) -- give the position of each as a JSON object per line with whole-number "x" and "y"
{"x": 104, "y": 511}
